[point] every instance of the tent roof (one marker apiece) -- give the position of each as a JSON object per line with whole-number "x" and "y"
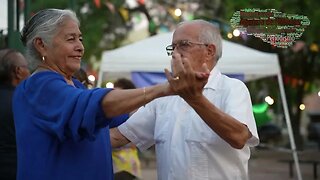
{"x": 149, "y": 55}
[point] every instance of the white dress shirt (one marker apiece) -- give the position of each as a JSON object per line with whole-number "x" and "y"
{"x": 186, "y": 147}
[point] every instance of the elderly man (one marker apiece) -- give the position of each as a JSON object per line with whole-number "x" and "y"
{"x": 13, "y": 69}
{"x": 205, "y": 136}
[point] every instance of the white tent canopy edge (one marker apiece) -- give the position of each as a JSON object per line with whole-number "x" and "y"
{"x": 149, "y": 55}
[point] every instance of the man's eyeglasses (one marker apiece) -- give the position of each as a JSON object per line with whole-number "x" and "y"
{"x": 182, "y": 45}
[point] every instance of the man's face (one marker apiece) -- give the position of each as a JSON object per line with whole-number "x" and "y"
{"x": 21, "y": 70}
{"x": 186, "y": 42}
{"x": 24, "y": 65}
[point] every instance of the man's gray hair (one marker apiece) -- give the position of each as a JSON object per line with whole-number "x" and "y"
{"x": 209, "y": 34}
{"x": 44, "y": 25}
{"x": 8, "y": 62}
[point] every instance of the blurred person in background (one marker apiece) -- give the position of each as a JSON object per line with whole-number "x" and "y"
{"x": 13, "y": 70}
{"x": 126, "y": 163}
{"x": 82, "y": 76}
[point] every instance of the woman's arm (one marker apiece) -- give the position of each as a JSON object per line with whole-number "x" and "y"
{"x": 120, "y": 101}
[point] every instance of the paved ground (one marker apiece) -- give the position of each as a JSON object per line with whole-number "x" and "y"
{"x": 264, "y": 165}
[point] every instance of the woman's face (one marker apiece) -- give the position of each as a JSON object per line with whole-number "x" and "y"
{"x": 66, "y": 49}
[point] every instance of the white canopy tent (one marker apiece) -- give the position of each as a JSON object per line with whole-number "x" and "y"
{"x": 149, "y": 55}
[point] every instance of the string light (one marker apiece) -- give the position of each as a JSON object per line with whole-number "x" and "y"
{"x": 91, "y": 78}
{"x": 109, "y": 85}
{"x": 269, "y": 100}
{"x": 178, "y": 12}
{"x": 236, "y": 32}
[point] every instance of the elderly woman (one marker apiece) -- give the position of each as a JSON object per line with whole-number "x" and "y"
{"x": 60, "y": 125}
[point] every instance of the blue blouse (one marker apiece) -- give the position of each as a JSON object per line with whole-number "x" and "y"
{"x": 118, "y": 120}
{"x": 61, "y": 130}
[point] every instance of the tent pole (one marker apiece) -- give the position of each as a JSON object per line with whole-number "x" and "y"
{"x": 288, "y": 122}
{"x": 99, "y": 78}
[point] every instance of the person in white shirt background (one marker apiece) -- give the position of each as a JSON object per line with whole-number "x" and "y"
{"x": 198, "y": 135}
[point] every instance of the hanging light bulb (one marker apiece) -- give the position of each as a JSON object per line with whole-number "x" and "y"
{"x": 109, "y": 85}
{"x": 91, "y": 78}
{"x": 236, "y": 32}
{"x": 269, "y": 100}
{"x": 302, "y": 107}
{"x": 178, "y": 12}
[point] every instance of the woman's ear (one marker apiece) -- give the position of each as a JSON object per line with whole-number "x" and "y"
{"x": 40, "y": 46}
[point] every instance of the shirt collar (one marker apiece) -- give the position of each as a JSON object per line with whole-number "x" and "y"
{"x": 214, "y": 79}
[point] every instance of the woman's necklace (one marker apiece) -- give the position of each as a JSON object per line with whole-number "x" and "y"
{"x": 42, "y": 67}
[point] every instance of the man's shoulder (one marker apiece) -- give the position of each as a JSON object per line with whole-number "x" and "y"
{"x": 232, "y": 83}
{"x": 164, "y": 102}
{"x": 165, "y": 99}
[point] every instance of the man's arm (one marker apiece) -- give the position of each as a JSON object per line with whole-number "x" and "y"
{"x": 228, "y": 128}
{"x": 117, "y": 139}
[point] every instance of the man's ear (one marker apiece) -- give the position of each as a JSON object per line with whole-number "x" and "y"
{"x": 18, "y": 73}
{"x": 211, "y": 53}
{"x": 39, "y": 45}
{"x": 212, "y": 50}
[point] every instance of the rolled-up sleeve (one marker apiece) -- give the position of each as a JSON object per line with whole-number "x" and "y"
{"x": 238, "y": 105}
{"x": 63, "y": 110}
{"x": 139, "y": 128}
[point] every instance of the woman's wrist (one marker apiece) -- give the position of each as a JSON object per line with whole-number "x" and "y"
{"x": 165, "y": 89}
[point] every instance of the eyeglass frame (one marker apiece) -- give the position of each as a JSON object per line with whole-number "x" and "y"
{"x": 185, "y": 43}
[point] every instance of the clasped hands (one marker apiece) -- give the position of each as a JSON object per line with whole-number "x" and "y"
{"x": 184, "y": 81}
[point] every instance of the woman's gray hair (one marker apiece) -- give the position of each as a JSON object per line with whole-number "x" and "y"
{"x": 44, "y": 25}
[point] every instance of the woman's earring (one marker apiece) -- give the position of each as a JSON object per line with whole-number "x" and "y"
{"x": 43, "y": 59}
